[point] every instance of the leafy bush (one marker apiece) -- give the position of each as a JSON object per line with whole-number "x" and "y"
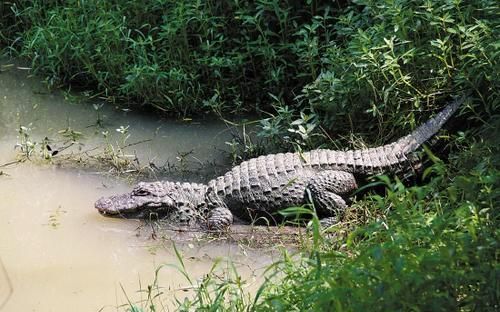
{"x": 394, "y": 56}
{"x": 368, "y": 61}
{"x": 170, "y": 54}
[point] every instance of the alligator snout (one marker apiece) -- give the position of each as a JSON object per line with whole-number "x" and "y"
{"x": 105, "y": 205}
{"x": 123, "y": 204}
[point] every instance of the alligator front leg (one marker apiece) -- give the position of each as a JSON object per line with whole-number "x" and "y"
{"x": 219, "y": 219}
{"x": 326, "y": 189}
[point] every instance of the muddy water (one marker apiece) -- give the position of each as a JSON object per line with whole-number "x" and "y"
{"x": 56, "y": 252}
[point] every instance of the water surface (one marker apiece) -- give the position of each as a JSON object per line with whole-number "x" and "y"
{"x": 57, "y": 251}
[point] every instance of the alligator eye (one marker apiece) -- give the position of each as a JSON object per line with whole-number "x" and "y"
{"x": 141, "y": 192}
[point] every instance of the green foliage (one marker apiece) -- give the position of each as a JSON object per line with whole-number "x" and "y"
{"x": 394, "y": 56}
{"x": 169, "y": 54}
{"x": 221, "y": 289}
{"x": 368, "y": 61}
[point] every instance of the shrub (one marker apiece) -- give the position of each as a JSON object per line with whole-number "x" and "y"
{"x": 368, "y": 61}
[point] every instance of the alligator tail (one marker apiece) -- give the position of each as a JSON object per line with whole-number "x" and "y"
{"x": 411, "y": 142}
{"x": 393, "y": 157}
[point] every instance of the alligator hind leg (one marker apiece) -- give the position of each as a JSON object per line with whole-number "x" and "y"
{"x": 326, "y": 189}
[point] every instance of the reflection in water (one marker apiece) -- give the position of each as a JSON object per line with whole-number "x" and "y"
{"x": 57, "y": 250}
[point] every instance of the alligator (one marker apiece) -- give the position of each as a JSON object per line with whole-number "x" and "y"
{"x": 264, "y": 185}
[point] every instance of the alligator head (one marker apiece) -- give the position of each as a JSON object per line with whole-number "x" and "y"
{"x": 165, "y": 199}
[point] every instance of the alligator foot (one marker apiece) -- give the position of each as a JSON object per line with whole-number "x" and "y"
{"x": 328, "y": 222}
{"x": 219, "y": 219}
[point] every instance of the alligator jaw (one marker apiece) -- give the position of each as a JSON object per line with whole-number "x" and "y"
{"x": 117, "y": 204}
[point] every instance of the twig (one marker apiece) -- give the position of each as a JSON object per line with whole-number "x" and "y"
{"x": 10, "y": 163}
{"x": 136, "y": 143}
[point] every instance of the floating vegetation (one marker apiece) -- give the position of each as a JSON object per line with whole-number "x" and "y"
{"x": 55, "y": 217}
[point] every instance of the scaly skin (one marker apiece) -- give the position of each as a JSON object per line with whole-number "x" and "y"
{"x": 261, "y": 186}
